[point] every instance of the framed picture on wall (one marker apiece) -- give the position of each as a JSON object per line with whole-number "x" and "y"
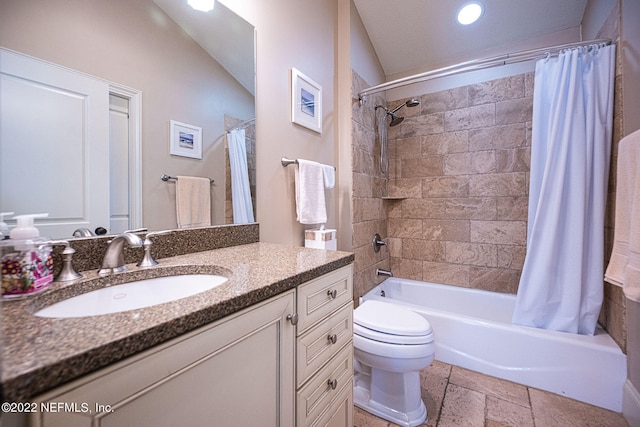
{"x": 185, "y": 140}
{"x": 306, "y": 101}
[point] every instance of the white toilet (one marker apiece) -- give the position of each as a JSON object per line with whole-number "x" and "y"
{"x": 392, "y": 344}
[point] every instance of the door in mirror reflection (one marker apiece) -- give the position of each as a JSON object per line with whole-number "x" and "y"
{"x": 53, "y": 119}
{"x": 118, "y": 164}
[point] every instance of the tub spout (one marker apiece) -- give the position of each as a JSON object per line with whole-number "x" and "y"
{"x": 381, "y": 272}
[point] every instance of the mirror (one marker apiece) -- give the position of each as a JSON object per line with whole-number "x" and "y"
{"x": 162, "y": 62}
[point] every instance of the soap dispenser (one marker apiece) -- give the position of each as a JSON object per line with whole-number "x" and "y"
{"x": 26, "y": 260}
{"x": 4, "y": 228}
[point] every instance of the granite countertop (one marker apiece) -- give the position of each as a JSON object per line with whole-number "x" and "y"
{"x": 41, "y": 353}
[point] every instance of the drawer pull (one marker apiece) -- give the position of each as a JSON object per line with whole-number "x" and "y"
{"x": 293, "y": 318}
{"x": 333, "y": 338}
{"x": 333, "y": 384}
{"x": 332, "y": 294}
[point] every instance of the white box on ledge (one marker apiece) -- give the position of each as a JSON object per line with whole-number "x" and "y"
{"x": 321, "y": 239}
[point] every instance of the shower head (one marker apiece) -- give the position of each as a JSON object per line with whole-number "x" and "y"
{"x": 395, "y": 119}
{"x": 413, "y": 102}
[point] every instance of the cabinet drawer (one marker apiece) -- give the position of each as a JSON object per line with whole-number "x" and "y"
{"x": 323, "y": 341}
{"x": 340, "y": 413}
{"x": 324, "y": 389}
{"x": 324, "y": 295}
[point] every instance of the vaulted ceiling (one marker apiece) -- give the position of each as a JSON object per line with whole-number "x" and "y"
{"x": 417, "y": 35}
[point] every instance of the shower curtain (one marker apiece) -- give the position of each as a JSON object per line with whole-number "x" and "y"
{"x": 240, "y": 189}
{"x": 561, "y": 286}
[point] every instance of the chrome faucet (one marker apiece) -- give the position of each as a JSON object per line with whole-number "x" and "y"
{"x": 83, "y": 232}
{"x": 113, "y": 261}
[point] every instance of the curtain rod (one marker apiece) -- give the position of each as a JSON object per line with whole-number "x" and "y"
{"x": 241, "y": 125}
{"x": 476, "y": 64}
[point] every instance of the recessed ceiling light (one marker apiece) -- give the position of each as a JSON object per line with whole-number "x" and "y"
{"x": 470, "y": 13}
{"x": 202, "y": 5}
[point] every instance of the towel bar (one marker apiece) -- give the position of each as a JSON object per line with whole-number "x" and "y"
{"x": 166, "y": 177}
{"x": 287, "y": 162}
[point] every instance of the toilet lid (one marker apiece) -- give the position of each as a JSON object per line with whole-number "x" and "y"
{"x": 390, "y": 319}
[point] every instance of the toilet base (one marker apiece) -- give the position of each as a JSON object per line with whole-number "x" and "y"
{"x": 362, "y": 399}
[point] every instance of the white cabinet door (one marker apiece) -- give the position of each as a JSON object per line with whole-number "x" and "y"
{"x": 54, "y": 144}
{"x": 238, "y": 371}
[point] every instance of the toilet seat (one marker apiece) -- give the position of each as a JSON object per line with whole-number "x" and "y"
{"x": 389, "y": 323}
{"x": 391, "y": 339}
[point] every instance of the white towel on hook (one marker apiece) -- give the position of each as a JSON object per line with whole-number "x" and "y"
{"x": 309, "y": 183}
{"x": 193, "y": 202}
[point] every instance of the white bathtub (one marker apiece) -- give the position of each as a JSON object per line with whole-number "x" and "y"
{"x": 473, "y": 330}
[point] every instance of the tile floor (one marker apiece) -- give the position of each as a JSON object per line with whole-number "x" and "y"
{"x": 458, "y": 397}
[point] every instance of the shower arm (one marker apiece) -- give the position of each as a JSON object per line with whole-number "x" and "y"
{"x": 396, "y": 109}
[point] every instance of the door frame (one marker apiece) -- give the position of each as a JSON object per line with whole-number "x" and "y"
{"x": 135, "y": 150}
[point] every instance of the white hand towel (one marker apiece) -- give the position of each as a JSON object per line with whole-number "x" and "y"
{"x": 310, "y": 204}
{"x": 329, "y": 173}
{"x": 193, "y": 202}
{"x": 624, "y": 264}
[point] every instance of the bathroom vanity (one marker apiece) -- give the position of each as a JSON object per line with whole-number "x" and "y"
{"x": 324, "y": 350}
{"x": 271, "y": 346}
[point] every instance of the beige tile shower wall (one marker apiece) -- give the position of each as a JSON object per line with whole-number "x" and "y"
{"x": 461, "y": 162}
{"x": 613, "y": 313}
{"x": 369, "y": 186}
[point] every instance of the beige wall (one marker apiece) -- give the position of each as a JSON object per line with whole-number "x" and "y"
{"x": 133, "y": 43}
{"x": 363, "y": 57}
{"x": 300, "y": 34}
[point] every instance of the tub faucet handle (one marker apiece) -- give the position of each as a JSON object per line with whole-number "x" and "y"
{"x": 377, "y": 242}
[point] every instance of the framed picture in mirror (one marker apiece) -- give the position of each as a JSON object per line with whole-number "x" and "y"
{"x": 185, "y": 140}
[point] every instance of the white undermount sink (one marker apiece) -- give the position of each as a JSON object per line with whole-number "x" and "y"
{"x": 132, "y": 295}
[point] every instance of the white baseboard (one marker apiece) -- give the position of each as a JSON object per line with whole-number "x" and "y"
{"x": 631, "y": 404}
